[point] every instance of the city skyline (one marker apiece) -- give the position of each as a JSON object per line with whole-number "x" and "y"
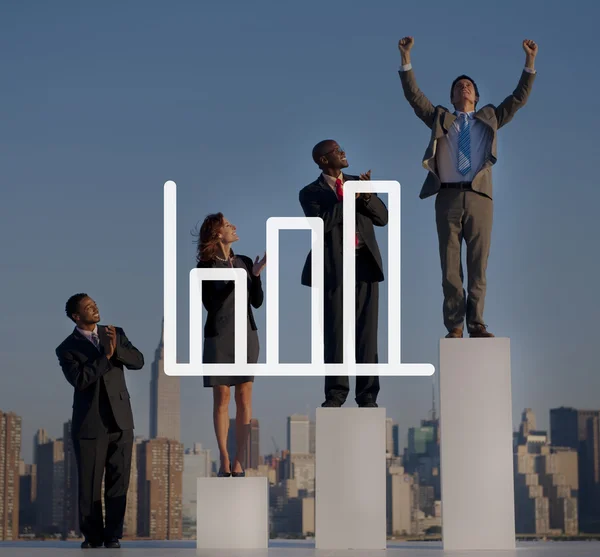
{"x": 113, "y": 119}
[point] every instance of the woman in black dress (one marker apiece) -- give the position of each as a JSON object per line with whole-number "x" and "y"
{"x": 217, "y": 235}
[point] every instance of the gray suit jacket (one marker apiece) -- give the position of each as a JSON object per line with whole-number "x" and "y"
{"x": 439, "y": 119}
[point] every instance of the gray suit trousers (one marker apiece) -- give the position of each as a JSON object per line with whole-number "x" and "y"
{"x": 463, "y": 215}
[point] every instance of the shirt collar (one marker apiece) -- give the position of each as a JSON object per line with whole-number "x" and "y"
{"x": 88, "y": 334}
{"x": 330, "y": 180}
{"x": 470, "y": 115}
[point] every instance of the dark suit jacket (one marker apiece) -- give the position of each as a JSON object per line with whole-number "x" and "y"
{"x": 439, "y": 119}
{"x": 319, "y": 200}
{"x": 89, "y": 370}
{"x": 215, "y": 292}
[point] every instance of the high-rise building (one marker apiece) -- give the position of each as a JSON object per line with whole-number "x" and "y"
{"x": 389, "y": 437}
{"x": 545, "y": 483}
{"x": 71, "y": 504}
{"x": 580, "y": 430}
{"x": 160, "y": 479}
{"x": 165, "y": 399}
{"x": 50, "y": 487}
{"x": 40, "y": 438}
{"x": 298, "y": 434}
{"x": 27, "y": 496}
{"x": 396, "y": 439}
{"x": 196, "y": 464}
{"x": 251, "y": 457}
{"x": 10, "y": 455}
{"x": 402, "y": 502}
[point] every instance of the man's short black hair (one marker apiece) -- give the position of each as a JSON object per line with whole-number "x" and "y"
{"x": 72, "y": 305}
{"x": 457, "y": 80}
{"x": 317, "y": 150}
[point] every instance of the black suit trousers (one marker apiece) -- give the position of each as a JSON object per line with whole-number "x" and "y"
{"x": 367, "y": 314}
{"x": 109, "y": 454}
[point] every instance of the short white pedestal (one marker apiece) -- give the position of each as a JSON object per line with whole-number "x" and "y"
{"x": 478, "y": 509}
{"x": 233, "y": 513}
{"x": 350, "y": 482}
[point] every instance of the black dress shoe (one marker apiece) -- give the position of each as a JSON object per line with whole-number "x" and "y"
{"x": 90, "y": 545}
{"x": 368, "y": 405}
{"x": 112, "y": 544}
{"x": 330, "y": 403}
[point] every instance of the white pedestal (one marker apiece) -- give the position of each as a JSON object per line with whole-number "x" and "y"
{"x": 233, "y": 513}
{"x": 478, "y": 508}
{"x": 350, "y": 482}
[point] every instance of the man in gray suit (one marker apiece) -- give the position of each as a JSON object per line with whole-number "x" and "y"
{"x": 459, "y": 158}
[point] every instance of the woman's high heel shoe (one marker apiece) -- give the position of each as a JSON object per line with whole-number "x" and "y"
{"x": 222, "y": 474}
{"x": 241, "y": 474}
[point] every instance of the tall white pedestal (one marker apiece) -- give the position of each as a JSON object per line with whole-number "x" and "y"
{"x": 233, "y": 513}
{"x": 478, "y": 509}
{"x": 350, "y": 482}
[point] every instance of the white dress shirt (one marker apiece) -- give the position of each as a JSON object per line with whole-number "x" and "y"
{"x": 88, "y": 334}
{"x": 447, "y": 146}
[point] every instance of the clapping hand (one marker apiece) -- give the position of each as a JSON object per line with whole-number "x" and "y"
{"x": 112, "y": 340}
{"x": 259, "y": 265}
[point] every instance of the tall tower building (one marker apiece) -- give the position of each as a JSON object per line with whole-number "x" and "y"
{"x": 580, "y": 430}
{"x": 27, "y": 495}
{"x": 298, "y": 434}
{"x": 252, "y": 456}
{"x": 160, "y": 479}
{"x": 10, "y": 454}
{"x": 389, "y": 437}
{"x": 165, "y": 399}
{"x": 50, "y": 487}
{"x": 40, "y": 438}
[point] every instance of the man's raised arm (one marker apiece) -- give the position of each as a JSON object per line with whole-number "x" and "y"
{"x": 509, "y": 106}
{"x": 416, "y": 98}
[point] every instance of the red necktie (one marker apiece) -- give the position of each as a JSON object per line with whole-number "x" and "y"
{"x": 339, "y": 190}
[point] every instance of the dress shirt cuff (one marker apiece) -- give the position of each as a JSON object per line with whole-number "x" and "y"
{"x": 406, "y": 67}
{"x": 529, "y": 70}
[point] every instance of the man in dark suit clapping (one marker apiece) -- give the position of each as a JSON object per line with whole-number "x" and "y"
{"x": 92, "y": 359}
{"x": 323, "y": 198}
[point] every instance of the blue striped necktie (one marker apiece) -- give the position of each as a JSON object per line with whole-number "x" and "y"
{"x": 464, "y": 145}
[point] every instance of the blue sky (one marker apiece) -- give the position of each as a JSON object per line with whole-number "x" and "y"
{"x": 101, "y": 103}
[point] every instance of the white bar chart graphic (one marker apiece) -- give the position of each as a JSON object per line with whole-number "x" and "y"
{"x": 272, "y": 367}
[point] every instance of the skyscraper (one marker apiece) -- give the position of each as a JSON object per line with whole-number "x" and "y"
{"x": 10, "y": 451}
{"x": 580, "y": 430}
{"x": 389, "y": 437}
{"x": 27, "y": 495}
{"x": 165, "y": 403}
{"x": 40, "y": 438}
{"x": 160, "y": 479}
{"x": 50, "y": 487}
{"x": 298, "y": 434}
{"x": 252, "y": 456}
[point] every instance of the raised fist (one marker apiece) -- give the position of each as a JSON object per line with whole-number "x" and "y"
{"x": 405, "y": 44}
{"x": 530, "y": 48}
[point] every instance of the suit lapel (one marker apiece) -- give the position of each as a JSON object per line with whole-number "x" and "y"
{"x": 483, "y": 116}
{"x": 448, "y": 120}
